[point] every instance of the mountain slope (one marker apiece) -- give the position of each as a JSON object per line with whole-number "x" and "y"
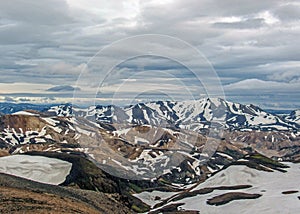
{"x": 24, "y": 196}
{"x": 266, "y": 192}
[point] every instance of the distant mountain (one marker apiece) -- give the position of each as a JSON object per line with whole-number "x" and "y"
{"x": 62, "y": 88}
{"x": 10, "y": 108}
{"x": 194, "y": 115}
{"x": 191, "y": 115}
{"x": 278, "y": 111}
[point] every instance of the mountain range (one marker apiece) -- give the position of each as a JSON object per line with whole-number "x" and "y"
{"x": 192, "y": 115}
{"x": 162, "y": 145}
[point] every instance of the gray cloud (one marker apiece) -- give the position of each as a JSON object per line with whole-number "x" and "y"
{"x": 48, "y": 12}
{"x": 257, "y": 42}
{"x": 288, "y": 11}
{"x": 249, "y": 23}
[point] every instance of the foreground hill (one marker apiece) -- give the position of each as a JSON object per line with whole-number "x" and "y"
{"x": 19, "y": 195}
{"x": 88, "y": 184}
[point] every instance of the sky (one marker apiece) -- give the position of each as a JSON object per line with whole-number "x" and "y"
{"x": 54, "y": 51}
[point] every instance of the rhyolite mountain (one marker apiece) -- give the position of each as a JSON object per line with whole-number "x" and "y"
{"x": 161, "y": 146}
{"x": 144, "y": 136}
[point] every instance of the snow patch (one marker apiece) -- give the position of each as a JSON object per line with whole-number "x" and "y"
{"x": 36, "y": 168}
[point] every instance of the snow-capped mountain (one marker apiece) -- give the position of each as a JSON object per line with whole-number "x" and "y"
{"x": 191, "y": 115}
{"x": 294, "y": 117}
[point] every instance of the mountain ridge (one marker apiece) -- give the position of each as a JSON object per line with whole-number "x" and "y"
{"x": 193, "y": 115}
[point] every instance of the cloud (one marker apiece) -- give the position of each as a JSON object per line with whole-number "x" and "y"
{"x": 246, "y": 24}
{"x": 62, "y": 68}
{"x": 260, "y": 86}
{"x": 290, "y": 76}
{"x": 289, "y": 11}
{"x": 267, "y": 94}
{"x": 50, "y": 42}
{"x": 48, "y": 12}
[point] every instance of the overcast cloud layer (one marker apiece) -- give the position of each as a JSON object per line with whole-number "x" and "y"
{"x": 253, "y": 46}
